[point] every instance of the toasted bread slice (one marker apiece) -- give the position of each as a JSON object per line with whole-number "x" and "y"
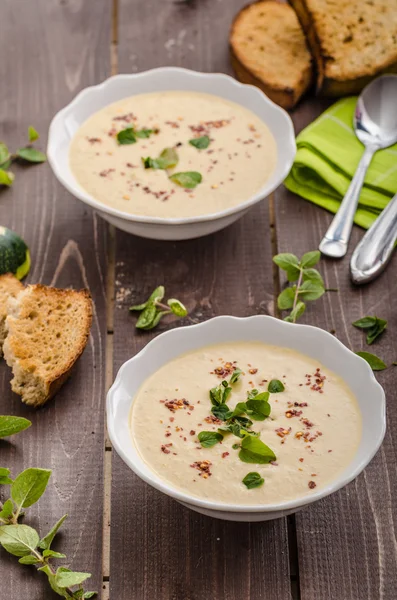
{"x": 351, "y": 42}
{"x": 268, "y": 49}
{"x": 10, "y": 286}
{"x": 48, "y": 329}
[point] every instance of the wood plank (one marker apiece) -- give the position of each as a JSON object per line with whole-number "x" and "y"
{"x": 347, "y": 542}
{"x": 160, "y": 549}
{"x": 53, "y": 50}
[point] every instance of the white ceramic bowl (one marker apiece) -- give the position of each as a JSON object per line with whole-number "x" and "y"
{"x": 68, "y": 120}
{"x": 311, "y": 341}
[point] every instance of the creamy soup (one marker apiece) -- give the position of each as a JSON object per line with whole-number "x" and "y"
{"x": 117, "y": 155}
{"x": 310, "y": 435}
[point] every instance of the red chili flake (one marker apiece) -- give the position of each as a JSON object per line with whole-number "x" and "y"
{"x": 94, "y": 140}
{"x": 301, "y": 459}
{"x": 312, "y": 485}
{"x": 204, "y": 468}
{"x": 127, "y": 118}
{"x": 106, "y": 172}
{"x": 253, "y": 371}
{"x": 130, "y": 165}
{"x": 212, "y": 419}
{"x": 223, "y": 371}
{"x": 172, "y": 419}
{"x": 112, "y": 132}
{"x": 224, "y": 454}
{"x": 307, "y": 423}
{"x": 192, "y": 432}
{"x": 293, "y": 413}
{"x": 165, "y": 449}
{"x": 168, "y": 434}
{"x": 172, "y": 124}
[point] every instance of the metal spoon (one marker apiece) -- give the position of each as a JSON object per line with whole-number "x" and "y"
{"x": 374, "y": 251}
{"x": 375, "y": 125}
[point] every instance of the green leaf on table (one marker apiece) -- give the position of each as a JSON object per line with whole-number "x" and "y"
{"x": 52, "y": 581}
{"x": 126, "y": 136}
{"x": 10, "y": 425}
{"x": 46, "y": 541}
{"x": 19, "y": 540}
{"x": 288, "y": 263}
{"x": 7, "y": 510}
{"x": 201, "y": 143}
{"x": 65, "y": 578}
{"x": 89, "y": 594}
{"x": 4, "y": 154}
{"x": 177, "y": 307}
{"x": 159, "y": 314}
{"x": 310, "y": 259}
{"x": 32, "y": 133}
{"x": 167, "y": 160}
{"x": 286, "y": 299}
{"x": 138, "y": 306}
{"x": 312, "y": 275}
{"x": 311, "y": 290}
{"x": 253, "y": 480}
{"x": 373, "y": 326}
{"x": 253, "y": 450}
{"x": 31, "y": 155}
{"x": 147, "y": 316}
{"x": 296, "y": 312}
{"x": 29, "y": 486}
{"x": 53, "y": 554}
{"x": 187, "y": 179}
{"x": 275, "y": 386}
{"x": 6, "y": 177}
{"x": 209, "y": 438}
{"x": 374, "y": 362}
{"x": 30, "y": 559}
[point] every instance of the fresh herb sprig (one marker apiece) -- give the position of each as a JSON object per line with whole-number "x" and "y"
{"x": 372, "y": 326}
{"x": 309, "y": 283}
{"x": 153, "y": 309}
{"x": 24, "y": 541}
{"x": 201, "y": 143}
{"x": 253, "y": 480}
{"x": 27, "y": 154}
{"x": 168, "y": 159}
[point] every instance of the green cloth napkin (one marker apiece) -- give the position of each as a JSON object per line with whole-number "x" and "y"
{"x": 327, "y": 157}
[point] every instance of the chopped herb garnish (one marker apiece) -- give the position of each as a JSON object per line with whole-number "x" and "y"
{"x": 236, "y": 446}
{"x": 130, "y": 135}
{"x": 373, "y": 327}
{"x": 222, "y": 412}
{"x": 374, "y": 362}
{"x": 275, "y": 386}
{"x": 253, "y": 480}
{"x": 235, "y": 375}
{"x": 220, "y": 394}
{"x": 126, "y": 136}
{"x": 209, "y": 438}
{"x": 253, "y": 450}
{"x": 188, "y": 179}
{"x": 258, "y": 410}
{"x": 153, "y": 309}
{"x": 167, "y": 160}
{"x": 200, "y": 143}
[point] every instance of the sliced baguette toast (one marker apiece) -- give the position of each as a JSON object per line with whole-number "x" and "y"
{"x": 351, "y": 42}
{"x": 268, "y": 49}
{"x": 48, "y": 329}
{"x": 10, "y": 287}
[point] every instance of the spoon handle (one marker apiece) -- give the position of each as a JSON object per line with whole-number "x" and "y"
{"x": 375, "y": 249}
{"x": 335, "y": 241}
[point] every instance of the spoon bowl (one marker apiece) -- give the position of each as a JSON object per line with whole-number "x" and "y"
{"x": 375, "y": 125}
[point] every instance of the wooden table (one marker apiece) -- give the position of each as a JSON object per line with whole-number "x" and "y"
{"x": 138, "y": 544}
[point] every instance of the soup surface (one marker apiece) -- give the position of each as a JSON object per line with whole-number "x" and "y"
{"x": 310, "y": 435}
{"x": 231, "y": 151}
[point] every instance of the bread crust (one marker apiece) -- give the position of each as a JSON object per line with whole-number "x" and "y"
{"x": 328, "y": 84}
{"x": 15, "y": 346}
{"x": 285, "y": 96}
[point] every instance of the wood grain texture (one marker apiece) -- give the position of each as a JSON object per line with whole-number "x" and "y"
{"x": 160, "y": 549}
{"x": 50, "y": 50}
{"x": 347, "y": 542}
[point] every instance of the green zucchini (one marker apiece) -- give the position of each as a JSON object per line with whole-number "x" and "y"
{"x": 14, "y": 254}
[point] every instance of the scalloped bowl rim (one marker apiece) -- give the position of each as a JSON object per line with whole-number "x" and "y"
{"x": 165, "y": 339}
{"x": 80, "y": 193}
